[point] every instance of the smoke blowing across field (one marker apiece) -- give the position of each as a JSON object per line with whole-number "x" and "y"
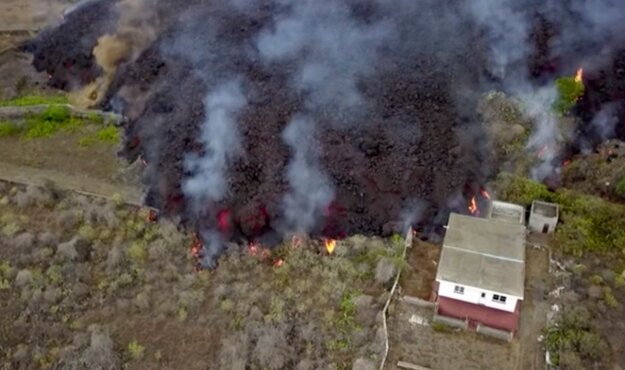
{"x": 261, "y": 118}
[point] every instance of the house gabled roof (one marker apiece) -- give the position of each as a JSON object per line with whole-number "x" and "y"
{"x": 484, "y": 253}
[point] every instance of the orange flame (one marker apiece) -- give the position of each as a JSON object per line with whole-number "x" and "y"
{"x": 473, "y": 206}
{"x": 253, "y": 247}
{"x": 278, "y": 263}
{"x": 330, "y": 245}
{"x": 485, "y": 194}
{"x": 579, "y": 75}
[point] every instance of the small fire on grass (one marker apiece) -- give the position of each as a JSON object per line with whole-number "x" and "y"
{"x": 279, "y": 262}
{"x": 579, "y": 75}
{"x": 196, "y": 251}
{"x": 330, "y": 245}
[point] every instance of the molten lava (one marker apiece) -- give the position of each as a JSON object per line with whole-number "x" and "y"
{"x": 223, "y": 220}
{"x": 330, "y": 245}
{"x": 579, "y": 75}
{"x": 473, "y": 209}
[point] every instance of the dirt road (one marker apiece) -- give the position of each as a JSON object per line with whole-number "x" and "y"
{"x": 80, "y": 183}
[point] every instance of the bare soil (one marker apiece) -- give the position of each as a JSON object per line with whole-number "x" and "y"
{"x": 417, "y": 279}
{"x": 534, "y": 308}
{"x": 416, "y": 342}
{"x": 30, "y": 14}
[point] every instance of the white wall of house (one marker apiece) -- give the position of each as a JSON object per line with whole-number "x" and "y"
{"x": 477, "y": 296}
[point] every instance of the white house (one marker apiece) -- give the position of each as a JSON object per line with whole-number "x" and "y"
{"x": 481, "y": 272}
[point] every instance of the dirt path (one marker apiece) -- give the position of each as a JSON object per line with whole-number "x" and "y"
{"x": 535, "y": 307}
{"x": 80, "y": 183}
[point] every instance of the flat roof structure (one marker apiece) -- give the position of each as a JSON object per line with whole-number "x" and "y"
{"x": 507, "y": 212}
{"x": 484, "y": 253}
{"x": 545, "y": 209}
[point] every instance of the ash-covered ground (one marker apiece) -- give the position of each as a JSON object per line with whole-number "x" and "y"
{"x": 260, "y": 118}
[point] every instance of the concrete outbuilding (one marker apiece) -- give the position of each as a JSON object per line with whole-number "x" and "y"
{"x": 543, "y": 217}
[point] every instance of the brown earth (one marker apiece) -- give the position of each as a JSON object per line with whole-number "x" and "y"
{"x": 30, "y": 14}
{"x": 417, "y": 279}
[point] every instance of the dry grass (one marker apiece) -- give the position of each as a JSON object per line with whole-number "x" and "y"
{"x": 68, "y": 263}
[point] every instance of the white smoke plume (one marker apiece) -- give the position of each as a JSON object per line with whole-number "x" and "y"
{"x": 547, "y": 137}
{"x": 604, "y": 123}
{"x": 311, "y": 191}
{"x": 222, "y": 144}
{"x": 333, "y": 50}
{"x": 506, "y": 33}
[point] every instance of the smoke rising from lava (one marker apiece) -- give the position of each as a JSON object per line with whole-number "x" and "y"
{"x": 344, "y": 111}
{"x": 311, "y": 191}
{"x": 222, "y": 145}
{"x": 331, "y": 49}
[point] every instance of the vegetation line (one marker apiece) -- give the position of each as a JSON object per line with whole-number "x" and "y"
{"x": 407, "y": 242}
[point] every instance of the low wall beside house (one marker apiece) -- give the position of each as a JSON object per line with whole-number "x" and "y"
{"x": 495, "y": 333}
{"x": 418, "y": 302}
{"x": 454, "y": 323}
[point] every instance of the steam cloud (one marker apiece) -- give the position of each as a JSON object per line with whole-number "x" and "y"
{"x": 311, "y": 191}
{"x": 333, "y": 51}
{"x": 221, "y": 143}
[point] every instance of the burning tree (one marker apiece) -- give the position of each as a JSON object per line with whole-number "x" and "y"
{"x": 570, "y": 89}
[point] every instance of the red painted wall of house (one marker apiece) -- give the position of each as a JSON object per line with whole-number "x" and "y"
{"x": 479, "y": 314}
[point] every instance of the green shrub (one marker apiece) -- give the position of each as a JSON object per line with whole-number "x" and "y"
{"x": 589, "y": 224}
{"x": 620, "y": 186}
{"x": 609, "y": 297}
{"x": 27, "y": 100}
{"x": 596, "y": 279}
{"x": 109, "y": 135}
{"x": 619, "y": 281}
{"x": 87, "y": 232}
{"x": 573, "y": 332}
{"x": 520, "y": 190}
{"x": 54, "y": 275}
{"x": 5, "y": 284}
{"x": 135, "y": 350}
{"x": 226, "y": 305}
{"x": 8, "y": 129}
{"x": 137, "y": 252}
{"x": 96, "y": 118}
{"x": 569, "y": 91}
{"x": 439, "y": 327}
{"x": 50, "y": 121}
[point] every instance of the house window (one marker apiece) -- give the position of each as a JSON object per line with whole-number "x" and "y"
{"x": 458, "y": 289}
{"x": 499, "y": 298}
